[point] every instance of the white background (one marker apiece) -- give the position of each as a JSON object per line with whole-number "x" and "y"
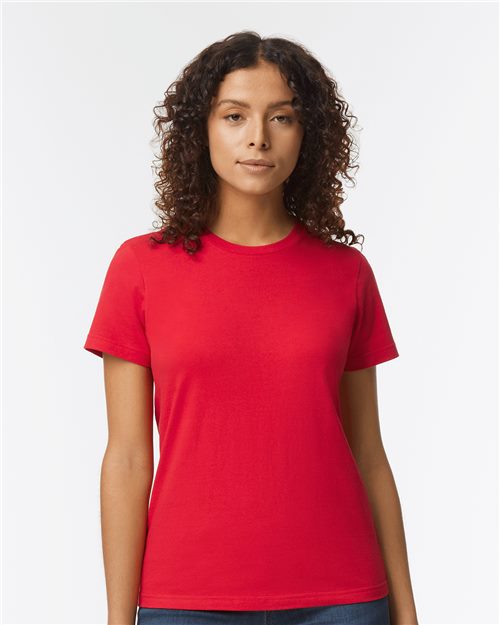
{"x": 79, "y": 84}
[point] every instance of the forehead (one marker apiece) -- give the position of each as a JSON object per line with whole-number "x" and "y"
{"x": 258, "y": 86}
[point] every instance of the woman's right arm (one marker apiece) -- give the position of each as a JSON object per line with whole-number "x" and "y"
{"x": 126, "y": 478}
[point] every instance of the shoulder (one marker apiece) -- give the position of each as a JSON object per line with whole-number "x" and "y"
{"x": 139, "y": 242}
{"x": 141, "y": 246}
{"x": 128, "y": 256}
{"x": 344, "y": 255}
{"x": 353, "y": 257}
{"x": 145, "y": 254}
{"x": 349, "y": 252}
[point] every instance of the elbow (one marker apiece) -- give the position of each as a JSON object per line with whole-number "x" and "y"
{"x": 123, "y": 460}
{"x": 372, "y": 460}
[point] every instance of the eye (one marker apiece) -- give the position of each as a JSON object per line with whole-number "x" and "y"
{"x": 232, "y": 115}
{"x": 288, "y": 119}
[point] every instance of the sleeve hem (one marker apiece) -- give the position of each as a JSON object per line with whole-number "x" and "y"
{"x": 98, "y": 344}
{"x": 372, "y": 358}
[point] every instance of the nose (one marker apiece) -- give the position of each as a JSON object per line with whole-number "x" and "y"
{"x": 258, "y": 135}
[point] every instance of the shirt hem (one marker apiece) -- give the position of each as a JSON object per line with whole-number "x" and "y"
{"x": 96, "y": 344}
{"x": 372, "y": 358}
{"x": 265, "y": 602}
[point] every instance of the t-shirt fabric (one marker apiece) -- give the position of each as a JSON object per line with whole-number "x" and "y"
{"x": 257, "y": 501}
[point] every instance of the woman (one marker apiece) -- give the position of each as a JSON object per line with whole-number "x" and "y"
{"x": 253, "y": 328}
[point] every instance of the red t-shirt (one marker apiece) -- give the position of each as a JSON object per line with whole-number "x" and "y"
{"x": 257, "y": 502}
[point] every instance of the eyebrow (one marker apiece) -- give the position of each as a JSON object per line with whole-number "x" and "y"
{"x": 272, "y": 105}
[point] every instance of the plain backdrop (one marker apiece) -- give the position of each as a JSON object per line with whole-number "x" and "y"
{"x": 79, "y": 84}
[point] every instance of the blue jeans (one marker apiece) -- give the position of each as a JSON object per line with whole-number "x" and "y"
{"x": 364, "y": 613}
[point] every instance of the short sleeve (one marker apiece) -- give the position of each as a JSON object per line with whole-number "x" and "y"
{"x": 371, "y": 341}
{"x": 118, "y": 326}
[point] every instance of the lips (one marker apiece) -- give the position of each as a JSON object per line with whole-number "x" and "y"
{"x": 259, "y": 161}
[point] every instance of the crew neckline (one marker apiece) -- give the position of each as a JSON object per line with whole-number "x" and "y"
{"x": 295, "y": 234}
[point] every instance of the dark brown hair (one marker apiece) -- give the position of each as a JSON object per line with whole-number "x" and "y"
{"x": 187, "y": 183}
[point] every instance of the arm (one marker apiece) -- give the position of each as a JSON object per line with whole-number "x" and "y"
{"x": 126, "y": 478}
{"x": 359, "y": 414}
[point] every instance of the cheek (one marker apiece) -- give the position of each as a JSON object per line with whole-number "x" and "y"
{"x": 222, "y": 145}
{"x": 218, "y": 149}
{"x": 296, "y": 138}
{"x": 292, "y": 148}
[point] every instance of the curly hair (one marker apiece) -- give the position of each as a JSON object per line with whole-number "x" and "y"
{"x": 186, "y": 181}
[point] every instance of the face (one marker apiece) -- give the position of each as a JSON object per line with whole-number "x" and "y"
{"x": 256, "y": 124}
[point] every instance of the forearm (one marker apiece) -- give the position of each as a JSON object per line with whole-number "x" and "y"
{"x": 125, "y": 493}
{"x": 386, "y": 508}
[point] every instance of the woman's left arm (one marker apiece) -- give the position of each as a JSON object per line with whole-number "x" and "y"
{"x": 360, "y": 420}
